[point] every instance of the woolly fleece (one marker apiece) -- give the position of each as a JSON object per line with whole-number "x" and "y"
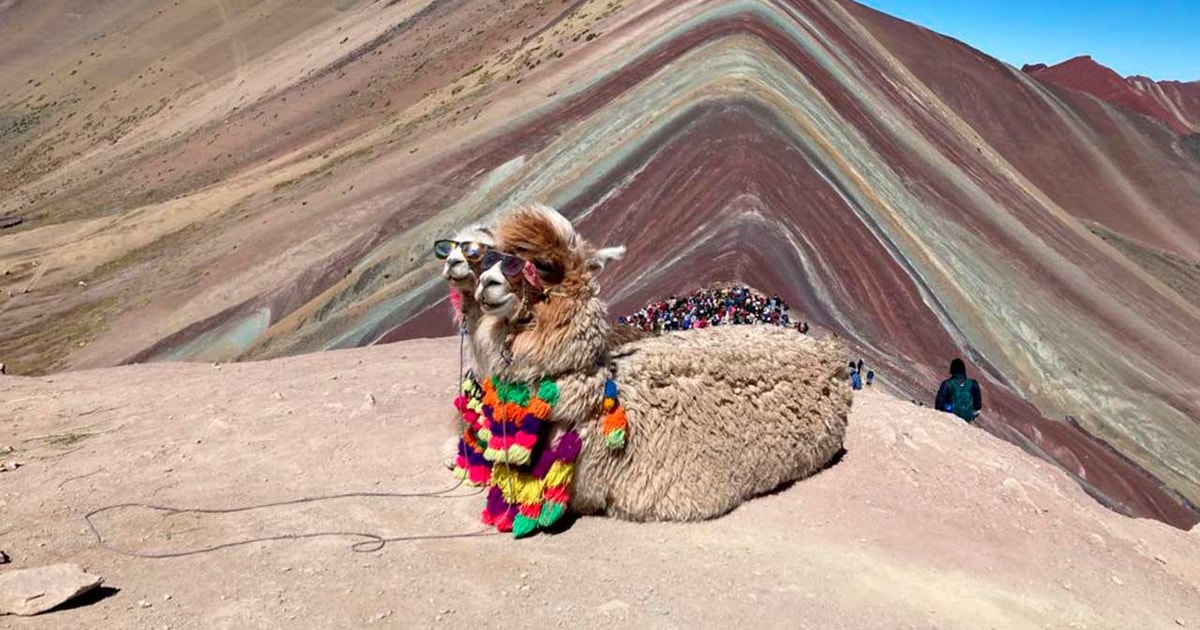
{"x": 716, "y": 416}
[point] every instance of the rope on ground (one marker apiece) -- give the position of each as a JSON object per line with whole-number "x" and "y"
{"x": 370, "y": 543}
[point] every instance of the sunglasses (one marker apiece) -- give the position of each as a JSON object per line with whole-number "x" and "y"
{"x": 471, "y": 250}
{"x": 510, "y": 265}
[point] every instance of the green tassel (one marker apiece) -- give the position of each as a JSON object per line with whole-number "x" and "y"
{"x": 548, "y": 391}
{"x": 616, "y": 439}
{"x": 551, "y": 513}
{"x": 519, "y": 393}
{"x": 523, "y": 526}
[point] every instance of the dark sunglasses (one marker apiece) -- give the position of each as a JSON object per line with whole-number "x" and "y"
{"x": 510, "y": 265}
{"x": 471, "y": 250}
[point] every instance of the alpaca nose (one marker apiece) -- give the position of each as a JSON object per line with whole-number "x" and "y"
{"x": 488, "y": 285}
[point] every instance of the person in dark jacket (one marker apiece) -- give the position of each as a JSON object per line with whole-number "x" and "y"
{"x": 958, "y": 394}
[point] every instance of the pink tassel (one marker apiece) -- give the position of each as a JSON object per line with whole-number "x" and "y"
{"x": 531, "y": 276}
{"x": 527, "y": 440}
{"x": 456, "y": 300}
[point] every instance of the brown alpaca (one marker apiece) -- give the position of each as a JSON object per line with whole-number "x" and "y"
{"x": 716, "y": 416}
{"x": 462, "y": 275}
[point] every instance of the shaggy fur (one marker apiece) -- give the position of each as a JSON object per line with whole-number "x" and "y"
{"x": 716, "y": 416}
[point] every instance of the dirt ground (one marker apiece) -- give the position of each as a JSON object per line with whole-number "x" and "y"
{"x": 925, "y": 523}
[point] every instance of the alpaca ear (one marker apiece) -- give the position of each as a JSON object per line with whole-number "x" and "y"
{"x": 605, "y": 255}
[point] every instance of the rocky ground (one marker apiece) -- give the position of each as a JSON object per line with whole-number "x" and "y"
{"x": 925, "y": 523}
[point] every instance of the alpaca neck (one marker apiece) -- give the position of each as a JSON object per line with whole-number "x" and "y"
{"x": 566, "y": 336}
{"x": 471, "y": 315}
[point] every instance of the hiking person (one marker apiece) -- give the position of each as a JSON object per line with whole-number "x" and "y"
{"x": 870, "y": 377}
{"x": 855, "y": 377}
{"x": 958, "y": 394}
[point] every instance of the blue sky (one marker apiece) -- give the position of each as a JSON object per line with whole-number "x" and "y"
{"x": 1156, "y": 38}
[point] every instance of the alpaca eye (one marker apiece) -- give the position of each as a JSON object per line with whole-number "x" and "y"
{"x": 543, "y": 267}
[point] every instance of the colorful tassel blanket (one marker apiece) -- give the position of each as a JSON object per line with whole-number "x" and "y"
{"x": 470, "y": 465}
{"x": 506, "y": 447}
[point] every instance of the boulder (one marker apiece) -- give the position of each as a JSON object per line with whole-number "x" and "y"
{"x": 31, "y": 591}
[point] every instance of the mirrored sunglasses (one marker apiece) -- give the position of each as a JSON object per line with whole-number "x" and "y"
{"x": 471, "y": 250}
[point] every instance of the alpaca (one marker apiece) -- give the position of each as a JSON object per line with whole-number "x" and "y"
{"x": 715, "y": 416}
{"x": 462, "y": 274}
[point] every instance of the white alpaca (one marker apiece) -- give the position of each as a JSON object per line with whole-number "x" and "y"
{"x": 461, "y": 274}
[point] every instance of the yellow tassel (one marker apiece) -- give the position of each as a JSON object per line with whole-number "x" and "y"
{"x": 517, "y": 486}
{"x": 560, "y": 474}
{"x": 609, "y": 404}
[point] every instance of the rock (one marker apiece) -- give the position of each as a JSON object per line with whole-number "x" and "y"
{"x": 4, "y": 559}
{"x": 370, "y": 399}
{"x": 1118, "y": 581}
{"x": 2, "y": 370}
{"x": 10, "y": 466}
{"x": 32, "y": 591}
{"x": 144, "y": 604}
{"x": 277, "y": 396}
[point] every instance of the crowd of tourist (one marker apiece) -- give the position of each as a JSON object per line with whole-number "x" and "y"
{"x": 713, "y": 306}
{"x": 733, "y": 304}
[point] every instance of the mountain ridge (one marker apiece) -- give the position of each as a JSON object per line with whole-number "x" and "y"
{"x": 1176, "y": 103}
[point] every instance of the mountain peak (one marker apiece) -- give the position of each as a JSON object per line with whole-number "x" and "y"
{"x": 1174, "y": 103}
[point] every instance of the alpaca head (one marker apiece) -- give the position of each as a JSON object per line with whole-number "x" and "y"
{"x": 539, "y": 282}
{"x": 538, "y": 261}
{"x": 463, "y": 256}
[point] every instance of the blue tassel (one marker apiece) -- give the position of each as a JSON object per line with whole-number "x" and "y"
{"x": 610, "y": 389}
